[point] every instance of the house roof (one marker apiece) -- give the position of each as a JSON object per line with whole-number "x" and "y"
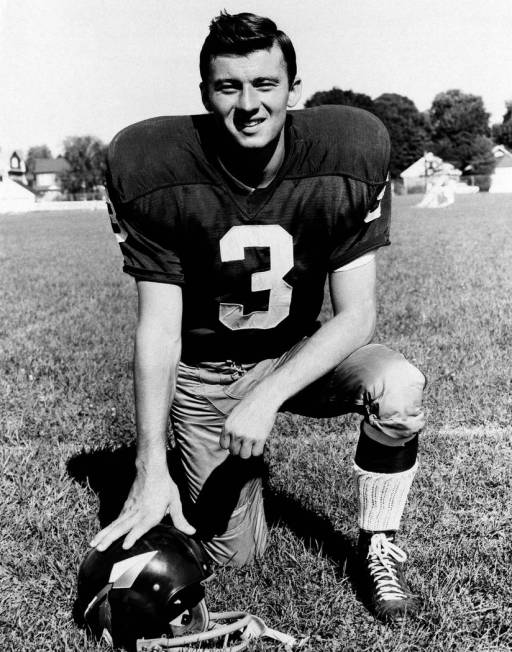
{"x": 430, "y": 164}
{"x": 503, "y": 157}
{"x": 10, "y": 189}
{"x": 49, "y": 165}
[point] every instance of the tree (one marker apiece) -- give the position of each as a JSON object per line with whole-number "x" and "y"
{"x": 460, "y": 132}
{"x": 454, "y": 112}
{"x": 502, "y": 133}
{"x": 337, "y": 96}
{"x": 86, "y": 156}
{"x": 408, "y": 130}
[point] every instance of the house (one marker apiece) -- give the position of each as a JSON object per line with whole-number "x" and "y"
{"x": 501, "y": 180}
{"x": 417, "y": 175}
{"x": 44, "y": 177}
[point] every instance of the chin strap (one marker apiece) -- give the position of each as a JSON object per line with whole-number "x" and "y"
{"x": 238, "y": 624}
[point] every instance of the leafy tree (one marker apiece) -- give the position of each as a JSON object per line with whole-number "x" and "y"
{"x": 337, "y": 96}
{"x": 483, "y": 160}
{"x": 454, "y": 112}
{"x": 408, "y": 129}
{"x": 460, "y": 132}
{"x": 502, "y": 133}
{"x": 86, "y": 156}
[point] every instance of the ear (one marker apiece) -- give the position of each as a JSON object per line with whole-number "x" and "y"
{"x": 204, "y": 96}
{"x": 295, "y": 93}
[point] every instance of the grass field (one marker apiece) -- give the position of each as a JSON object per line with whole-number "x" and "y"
{"x": 67, "y": 316}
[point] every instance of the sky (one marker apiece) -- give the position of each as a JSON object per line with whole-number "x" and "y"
{"x": 77, "y": 67}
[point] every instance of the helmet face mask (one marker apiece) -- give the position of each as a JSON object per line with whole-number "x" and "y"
{"x": 153, "y": 589}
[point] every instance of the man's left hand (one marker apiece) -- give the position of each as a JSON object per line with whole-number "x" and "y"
{"x": 247, "y": 427}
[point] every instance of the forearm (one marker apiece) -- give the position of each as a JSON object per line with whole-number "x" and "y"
{"x": 155, "y": 363}
{"x": 323, "y": 351}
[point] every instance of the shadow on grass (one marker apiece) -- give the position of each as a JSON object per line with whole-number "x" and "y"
{"x": 320, "y": 537}
{"x": 110, "y": 473}
{"x": 313, "y": 528}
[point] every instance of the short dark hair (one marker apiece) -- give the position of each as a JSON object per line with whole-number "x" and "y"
{"x": 241, "y": 34}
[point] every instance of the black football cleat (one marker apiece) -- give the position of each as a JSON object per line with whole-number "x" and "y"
{"x": 381, "y": 572}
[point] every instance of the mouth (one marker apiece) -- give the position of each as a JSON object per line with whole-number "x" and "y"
{"x": 249, "y": 126}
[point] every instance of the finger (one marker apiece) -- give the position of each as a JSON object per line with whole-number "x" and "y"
{"x": 103, "y": 533}
{"x": 175, "y": 511}
{"x": 113, "y": 533}
{"x": 258, "y": 448}
{"x": 136, "y": 532}
{"x": 181, "y": 523}
{"x": 246, "y": 449}
{"x": 225, "y": 440}
{"x": 96, "y": 539}
{"x": 235, "y": 446}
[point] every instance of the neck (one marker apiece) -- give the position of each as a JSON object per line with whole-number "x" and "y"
{"x": 255, "y": 168}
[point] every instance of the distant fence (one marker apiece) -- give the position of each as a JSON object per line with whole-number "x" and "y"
{"x": 23, "y": 206}
{"x": 54, "y": 194}
{"x": 82, "y": 196}
{"x": 63, "y": 205}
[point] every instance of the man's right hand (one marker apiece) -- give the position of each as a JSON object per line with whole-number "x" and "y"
{"x": 151, "y": 497}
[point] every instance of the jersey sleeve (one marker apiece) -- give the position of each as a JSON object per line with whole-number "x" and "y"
{"x": 367, "y": 227}
{"x": 147, "y": 230}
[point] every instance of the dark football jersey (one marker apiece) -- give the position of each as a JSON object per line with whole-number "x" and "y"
{"x": 252, "y": 266}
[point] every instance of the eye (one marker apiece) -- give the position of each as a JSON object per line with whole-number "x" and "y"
{"x": 227, "y": 89}
{"x": 266, "y": 85}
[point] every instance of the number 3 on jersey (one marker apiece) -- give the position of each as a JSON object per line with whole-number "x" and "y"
{"x": 280, "y": 243}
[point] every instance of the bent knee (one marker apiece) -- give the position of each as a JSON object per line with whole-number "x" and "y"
{"x": 397, "y": 411}
{"x": 401, "y": 385}
{"x": 400, "y": 372}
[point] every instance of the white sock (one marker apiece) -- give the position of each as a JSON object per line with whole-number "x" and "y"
{"x": 382, "y": 497}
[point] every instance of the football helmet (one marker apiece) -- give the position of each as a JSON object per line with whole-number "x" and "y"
{"x": 154, "y": 589}
{"x": 152, "y": 598}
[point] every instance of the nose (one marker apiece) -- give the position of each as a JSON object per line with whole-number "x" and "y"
{"x": 248, "y": 100}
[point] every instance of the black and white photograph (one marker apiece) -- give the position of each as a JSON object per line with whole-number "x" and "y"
{"x": 255, "y": 326}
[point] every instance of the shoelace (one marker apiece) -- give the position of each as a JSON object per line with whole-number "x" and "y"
{"x": 383, "y": 555}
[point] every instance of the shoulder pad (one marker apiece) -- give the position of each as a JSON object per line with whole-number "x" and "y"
{"x": 338, "y": 139}
{"x": 158, "y": 152}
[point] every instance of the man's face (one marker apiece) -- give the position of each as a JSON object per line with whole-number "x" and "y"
{"x": 249, "y": 95}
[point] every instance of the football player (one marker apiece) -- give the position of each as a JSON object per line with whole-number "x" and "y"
{"x": 230, "y": 223}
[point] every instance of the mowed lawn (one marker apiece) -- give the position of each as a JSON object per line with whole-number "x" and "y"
{"x": 66, "y": 320}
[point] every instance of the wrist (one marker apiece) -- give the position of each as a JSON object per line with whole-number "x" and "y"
{"x": 270, "y": 392}
{"x": 151, "y": 459}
